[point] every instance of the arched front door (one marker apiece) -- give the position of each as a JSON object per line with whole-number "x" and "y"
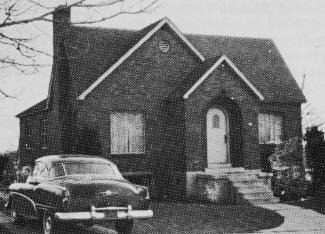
{"x": 217, "y": 137}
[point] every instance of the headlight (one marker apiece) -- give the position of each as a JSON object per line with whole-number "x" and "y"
{"x": 66, "y": 194}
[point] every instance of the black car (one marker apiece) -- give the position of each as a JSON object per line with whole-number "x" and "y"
{"x": 78, "y": 188}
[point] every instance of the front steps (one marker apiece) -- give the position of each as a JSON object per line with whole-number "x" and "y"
{"x": 248, "y": 186}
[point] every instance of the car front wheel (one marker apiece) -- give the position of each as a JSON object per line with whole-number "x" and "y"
{"x": 49, "y": 224}
{"x": 16, "y": 218}
{"x": 124, "y": 226}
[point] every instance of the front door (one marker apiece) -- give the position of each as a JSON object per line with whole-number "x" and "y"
{"x": 217, "y": 134}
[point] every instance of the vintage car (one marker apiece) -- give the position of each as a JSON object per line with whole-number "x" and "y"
{"x": 78, "y": 188}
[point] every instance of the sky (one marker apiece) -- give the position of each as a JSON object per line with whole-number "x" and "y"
{"x": 296, "y": 26}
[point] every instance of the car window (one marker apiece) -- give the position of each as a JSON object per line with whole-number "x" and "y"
{"x": 79, "y": 167}
{"x": 44, "y": 174}
{"x": 37, "y": 169}
{"x": 56, "y": 170}
{"x": 40, "y": 171}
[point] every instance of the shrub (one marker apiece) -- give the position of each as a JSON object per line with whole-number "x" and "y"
{"x": 315, "y": 154}
{"x": 289, "y": 175}
{"x": 287, "y": 154}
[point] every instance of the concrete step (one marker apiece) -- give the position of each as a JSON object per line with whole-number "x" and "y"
{"x": 257, "y": 196}
{"x": 249, "y": 186}
{"x": 265, "y": 201}
{"x": 224, "y": 170}
{"x": 256, "y": 189}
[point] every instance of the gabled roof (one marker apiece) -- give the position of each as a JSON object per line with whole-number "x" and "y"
{"x": 93, "y": 51}
{"x": 38, "y": 107}
{"x": 214, "y": 66}
{"x": 151, "y": 30}
{"x": 258, "y": 59}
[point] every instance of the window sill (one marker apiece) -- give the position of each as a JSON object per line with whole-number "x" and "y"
{"x": 128, "y": 154}
{"x": 271, "y": 143}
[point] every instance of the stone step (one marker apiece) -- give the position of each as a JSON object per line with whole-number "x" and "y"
{"x": 249, "y": 186}
{"x": 257, "y": 196}
{"x": 264, "y": 201}
{"x": 244, "y": 179}
{"x": 224, "y": 170}
{"x": 256, "y": 189}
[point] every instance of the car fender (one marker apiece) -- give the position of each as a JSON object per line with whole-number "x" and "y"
{"x": 49, "y": 196}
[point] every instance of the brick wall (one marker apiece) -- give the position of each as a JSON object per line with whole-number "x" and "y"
{"x": 222, "y": 85}
{"x": 34, "y": 150}
{"x": 141, "y": 84}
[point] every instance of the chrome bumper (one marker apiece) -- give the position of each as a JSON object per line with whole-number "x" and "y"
{"x": 104, "y": 213}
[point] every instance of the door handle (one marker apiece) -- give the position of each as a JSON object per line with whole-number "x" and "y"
{"x": 226, "y": 139}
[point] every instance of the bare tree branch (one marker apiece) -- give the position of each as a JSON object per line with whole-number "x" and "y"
{"x": 5, "y": 94}
{"x": 42, "y": 17}
{"x": 15, "y": 14}
{"x": 101, "y": 4}
{"x": 41, "y": 5}
{"x": 142, "y": 10}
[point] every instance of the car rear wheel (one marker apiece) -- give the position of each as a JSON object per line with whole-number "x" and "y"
{"x": 49, "y": 224}
{"x": 124, "y": 226}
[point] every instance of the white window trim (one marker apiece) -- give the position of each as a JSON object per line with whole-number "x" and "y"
{"x": 135, "y": 47}
{"x": 143, "y": 135}
{"x": 224, "y": 58}
{"x": 271, "y": 142}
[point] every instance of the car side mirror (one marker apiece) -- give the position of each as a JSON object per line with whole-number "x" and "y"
{"x": 32, "y": 180}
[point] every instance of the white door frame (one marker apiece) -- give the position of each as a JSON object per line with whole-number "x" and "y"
{"x": 225, "y": 113}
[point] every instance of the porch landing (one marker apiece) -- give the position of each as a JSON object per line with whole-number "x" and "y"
{"x": 236, "y": 185}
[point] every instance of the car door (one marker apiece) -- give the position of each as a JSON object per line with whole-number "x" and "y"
{"x": 40, "y": 178}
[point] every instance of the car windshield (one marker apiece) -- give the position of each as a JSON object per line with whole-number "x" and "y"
{"x": 82, "y": 168}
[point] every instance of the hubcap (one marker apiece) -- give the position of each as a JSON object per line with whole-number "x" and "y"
{"x": 13, "y": 214}
{"x": 47, "y": 224}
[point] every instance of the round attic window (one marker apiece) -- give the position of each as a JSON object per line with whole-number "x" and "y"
{"x": 164, "y": 46}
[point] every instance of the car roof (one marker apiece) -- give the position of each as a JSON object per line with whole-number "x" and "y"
{"x": 72, "y": 157}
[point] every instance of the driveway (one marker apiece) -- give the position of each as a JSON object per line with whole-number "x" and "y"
{"x": 195, "y": 218}
{"x": 208, "y": 218}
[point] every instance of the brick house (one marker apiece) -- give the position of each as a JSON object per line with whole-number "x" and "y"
{"x": 161, "y": 103}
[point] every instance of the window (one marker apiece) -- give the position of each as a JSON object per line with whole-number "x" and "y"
{"x": 127, "y": 133}
{"x": 164, "y": 46}
{"x": 27, "y": 134}
{"x": 44, "y": 134}
{"x": 270, "y": 129}
{"x": 216, "y": 121}
{"x": 40, "y": 171}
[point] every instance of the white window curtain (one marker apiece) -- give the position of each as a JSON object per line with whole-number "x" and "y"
{"x": 127, "y": 133}
{"x": 270, "y": 129}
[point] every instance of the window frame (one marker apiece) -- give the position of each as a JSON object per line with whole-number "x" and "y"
{"x": 143, "y": 122}
{"x": 281, "y": 136}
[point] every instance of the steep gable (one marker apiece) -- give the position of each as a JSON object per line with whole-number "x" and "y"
{"x": 258, "y": 59}
{"x": 94, "y": 52}
{"x": 144, "y": 35}
{"x": 208, "y": 70}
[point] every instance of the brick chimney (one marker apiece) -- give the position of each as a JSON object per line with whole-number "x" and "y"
{"x": 61, "y": 84}
{"x": 61, "y": 21}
